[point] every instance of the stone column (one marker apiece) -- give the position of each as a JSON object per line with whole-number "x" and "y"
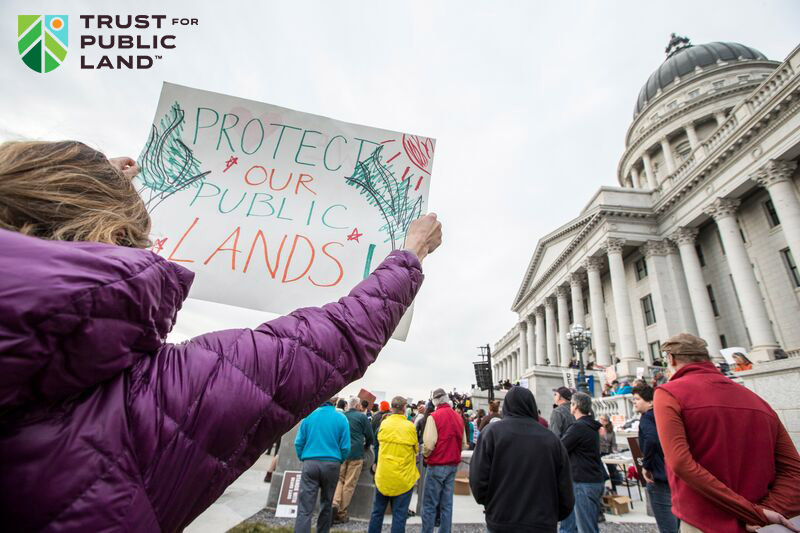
{"x": 661, "y": 290}
{"x": 552, "y": 336}
{"x": 531, "y": 342}
{"x": 666, "y": 149}
{"x": 694, "y": 142}
{"x": 635, "y": 177}
{"x": 698, "y": 294}
{"x": 523, "y": 346}
{"x": 576, "y": 288}
{"x": 628, "y": 355}
{"x": 563, "y": 326}
{"x": 681, "y": 299}
{"x": 776, "y": 177}
{"x": 719, "y": 116}
{"x": 541, "y": 337}
{"x": 599, "y": 324}
{"x": 723, "y": 210}
{"x": 648, "y": 170}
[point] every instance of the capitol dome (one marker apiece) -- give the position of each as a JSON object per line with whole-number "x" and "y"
{"x": 685, "y": 60}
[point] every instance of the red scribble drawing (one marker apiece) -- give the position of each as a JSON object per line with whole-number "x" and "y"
{"x": 230, "y": 162}
{"x": 158, "y": 245}
{"x": 419, "y": 182}
{"x": 355, "y": 235}
{"x": 420, "y": 151}
{"x": 393, "y": 158}
{"x": 405, "y": 174}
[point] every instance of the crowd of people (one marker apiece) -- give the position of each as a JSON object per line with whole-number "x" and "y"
{"x": 533, "y": 475}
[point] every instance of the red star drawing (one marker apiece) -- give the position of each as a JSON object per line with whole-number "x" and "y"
{"x": 158, "y": 245}
{"x": 230, "y": 162}
{"x": 355, "y": 235}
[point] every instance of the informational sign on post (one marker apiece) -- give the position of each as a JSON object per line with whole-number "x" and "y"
{"x": 276, "y": 209}
{"x": 288, "y": 497}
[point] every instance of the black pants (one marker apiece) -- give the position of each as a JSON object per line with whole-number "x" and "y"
{"x": 322, "y": 477}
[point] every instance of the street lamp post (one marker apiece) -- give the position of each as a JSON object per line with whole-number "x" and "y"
{"x": 580, "y": 338}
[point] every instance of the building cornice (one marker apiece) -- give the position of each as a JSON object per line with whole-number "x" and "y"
{"x": 602, "y": 213}
{"x": 706, "y": 72}
{"x": 623, "y": 168}
{"x": 774, "y": 102}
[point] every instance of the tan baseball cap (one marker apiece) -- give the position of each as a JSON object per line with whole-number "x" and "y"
{"x": 685, "y": 344}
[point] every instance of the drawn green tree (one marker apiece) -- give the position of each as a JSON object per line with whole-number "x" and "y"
{"x": 376, "y": 181}
{"x": 167, "y": 164}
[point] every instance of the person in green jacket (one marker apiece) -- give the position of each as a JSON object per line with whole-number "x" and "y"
{"x": 361, "y": 439}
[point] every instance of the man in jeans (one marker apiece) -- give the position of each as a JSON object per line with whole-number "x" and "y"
{"x": 360, "y": 439}
{"x": 582, "y": 442}
{"x": 322, "y": 443}
{"x": 397, "y": 469}
{"x": 442, "y": 442}
{"x": 653, "y": 469}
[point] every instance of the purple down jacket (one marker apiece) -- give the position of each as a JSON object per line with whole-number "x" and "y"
{"x": 104, "y": 426}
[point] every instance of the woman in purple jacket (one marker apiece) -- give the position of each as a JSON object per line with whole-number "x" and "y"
{"x": 105, "y": 426}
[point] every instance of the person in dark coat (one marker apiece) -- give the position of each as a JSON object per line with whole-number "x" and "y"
{"x": 561, "y": 418}
{"x": 520, "y": 471}
{"x": 653, "y": 469}
{"x": 146, "y": 433}
{"x": 582, "y": 442}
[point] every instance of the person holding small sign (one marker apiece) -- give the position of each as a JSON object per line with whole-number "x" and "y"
{"x": 129, "y": 431}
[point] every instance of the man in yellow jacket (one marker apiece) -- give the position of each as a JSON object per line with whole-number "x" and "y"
{"x": 397, "y": 468}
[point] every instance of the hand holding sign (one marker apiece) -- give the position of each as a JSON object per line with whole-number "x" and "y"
{"x": 424, "y": 235}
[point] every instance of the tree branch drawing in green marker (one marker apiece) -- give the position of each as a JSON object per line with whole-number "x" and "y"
{"x": 376, "y": 181}
{"x": 167, "y": 164}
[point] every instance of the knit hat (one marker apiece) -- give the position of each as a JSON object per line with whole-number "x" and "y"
{"x": 384, "y": 406}
{"x": 685, "y": 344}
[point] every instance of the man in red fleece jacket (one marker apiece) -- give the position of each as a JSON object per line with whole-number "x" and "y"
{"x": 730, "y": 462}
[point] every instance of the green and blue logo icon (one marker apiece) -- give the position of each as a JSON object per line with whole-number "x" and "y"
{"x": 42, "y": 41}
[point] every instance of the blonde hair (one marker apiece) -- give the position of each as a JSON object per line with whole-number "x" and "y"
{"x": 68, "y": 191}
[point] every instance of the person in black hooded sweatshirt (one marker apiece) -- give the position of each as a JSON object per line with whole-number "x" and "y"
{"x": 520, "y": 471}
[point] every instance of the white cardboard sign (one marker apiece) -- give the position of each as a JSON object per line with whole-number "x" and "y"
{"x": 275, "y": 209}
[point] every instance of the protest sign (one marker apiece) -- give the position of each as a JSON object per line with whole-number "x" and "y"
{"x": 289, "y": 495}
{"x": 276, "y": 209}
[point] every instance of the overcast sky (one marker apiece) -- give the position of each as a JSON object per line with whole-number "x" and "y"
{"x": 529, "y": 103}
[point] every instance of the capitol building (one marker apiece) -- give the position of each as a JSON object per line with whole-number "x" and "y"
{"x": 700, "y": 233}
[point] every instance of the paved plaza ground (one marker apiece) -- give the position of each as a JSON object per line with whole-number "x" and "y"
{"x": 246, "y": 497}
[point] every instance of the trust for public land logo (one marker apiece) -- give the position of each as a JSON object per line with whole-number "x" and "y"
{"x": 42, "y": 41}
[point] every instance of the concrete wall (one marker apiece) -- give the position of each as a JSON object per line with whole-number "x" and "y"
{"x": 778, "y": 382}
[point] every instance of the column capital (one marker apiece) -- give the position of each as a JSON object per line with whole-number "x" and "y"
{"x": 539, "y": 312}
{"x": 576, "y": 279}
{"x": 684, "y": 235}
{"x": 774, "y": 171}
{"x": 562, "y": 292}
{"x": 671, "y": 247}
{"x": 652, "y": 248}
{"x": 593, "y": 264}
{"x": 550, "y": 301}
{"x": 722, "y": 207}
{"x": 614, "y": 245}
{"x": 523, "y": 324}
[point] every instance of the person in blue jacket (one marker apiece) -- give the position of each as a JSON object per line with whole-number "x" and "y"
{"x": 323, "y": 444}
